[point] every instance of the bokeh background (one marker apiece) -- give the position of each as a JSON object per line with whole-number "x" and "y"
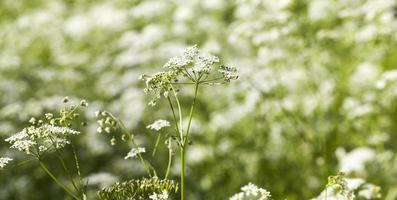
{"x": 317, "y": 90}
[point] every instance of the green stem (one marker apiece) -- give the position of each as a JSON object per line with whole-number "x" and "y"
{"x": 180, "y": 114}
{"x": 173, "y": 114}
{"x": 191, "y": 113}
{"x": 156, "y": 145}
{"x": 169, "y": 162}
{"x": 77, "y": 164}
{"x": 185, "y": 139}
{"x": 44, "y": 167}
{"x": 182, "y": 173}
{"x": 145, "y": 164}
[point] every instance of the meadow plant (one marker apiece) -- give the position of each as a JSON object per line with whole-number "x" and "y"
{"x": 52, "y": 133}
{"x": 192, "y": 68}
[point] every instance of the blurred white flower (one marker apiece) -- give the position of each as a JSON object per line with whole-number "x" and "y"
{"x": 134, "y": 152}
{"x": 158, "y": 125}
{"x": 355, "y": 160}
{"x": 4, "y": 161}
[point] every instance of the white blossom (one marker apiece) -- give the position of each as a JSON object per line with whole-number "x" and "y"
{"x": 158, "y": 125}
{"x": 251, "y": 191}
{"x": 134, "y": 152}
{"x": 4, "y": 161}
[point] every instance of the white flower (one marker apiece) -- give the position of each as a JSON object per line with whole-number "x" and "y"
{"x": 134, "y": 152}
{"x": 60, "y": 130}
{"x": 251, "y": 190}
{"x": 40, "y": 138}
{"x": 158, "y": 125}
{"x": 4, "y": 161}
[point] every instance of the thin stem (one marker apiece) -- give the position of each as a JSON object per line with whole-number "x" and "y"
{"x": 156, "y": 145}
{"x": 145, "y": 164}
{"x": 77, "y": 164}
{"x": 183, "y": 147}
{"x": 191, "y": 113}
{"x": 180, "y": 114}
{"x": 44, "y": 167}
{"x": 173, "y": 114}
{"x": 189, "y": 76}
{"x": 169, "y": 160}
{"x": 215, "y": 79}
{"x": 182, "y": 152}
{"x": 182, "y": 83}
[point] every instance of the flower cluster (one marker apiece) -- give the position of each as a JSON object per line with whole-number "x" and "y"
{"x": 49, "y": 133}
{"x": 4, "y": 161}
{"x": 134, "y": 152}
{"x": 32, "y": 140}
{"x": 339, "y": 185}
{"x": 193, "y": 67}
{"x": 107, "y": 123}
{"x": 142, "y": 189}
{"x": 158, "y": 125}
{"x": 253, "y": 192}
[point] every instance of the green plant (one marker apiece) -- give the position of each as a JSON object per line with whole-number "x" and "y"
{"x": 52, "y": 134}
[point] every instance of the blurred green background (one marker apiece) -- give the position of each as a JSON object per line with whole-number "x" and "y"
{"x": 317, "y": 90}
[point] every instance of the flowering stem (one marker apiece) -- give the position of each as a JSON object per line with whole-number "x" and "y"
{"x": 144, "y": 163}
{"x": 185, "y": 140}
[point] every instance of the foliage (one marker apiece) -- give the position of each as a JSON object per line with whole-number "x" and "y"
{"x": 316, "y": 93}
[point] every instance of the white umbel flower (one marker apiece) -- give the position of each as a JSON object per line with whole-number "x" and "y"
{"x": 4, "y": 161}
{"x": 251, "y": 191}
{"x": 158, "y": 125}
{"x": 134, "y": 152}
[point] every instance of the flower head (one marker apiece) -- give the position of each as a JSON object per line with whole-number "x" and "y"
{"x": 192, "y": 66}
{"x": 158, "y": 125}
{"x": 4, "y": 161}
{"x": 251, "y": 191}
{"x": 134, "y": 152}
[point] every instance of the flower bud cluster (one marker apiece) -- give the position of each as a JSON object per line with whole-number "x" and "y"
{"x": 108, "y": 124}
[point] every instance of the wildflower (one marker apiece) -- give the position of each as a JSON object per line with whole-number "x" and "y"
{"x": 251, "y": 190}
{"x": 4, "y": 161}
{"x": 134, "y": 152}
{"x": 339, "y": 185}
{"x": 228, "y": 73}
{"x": 192, "y": 66}
{"x": 33, "y": 138}
{"x": 158, "y": 125}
